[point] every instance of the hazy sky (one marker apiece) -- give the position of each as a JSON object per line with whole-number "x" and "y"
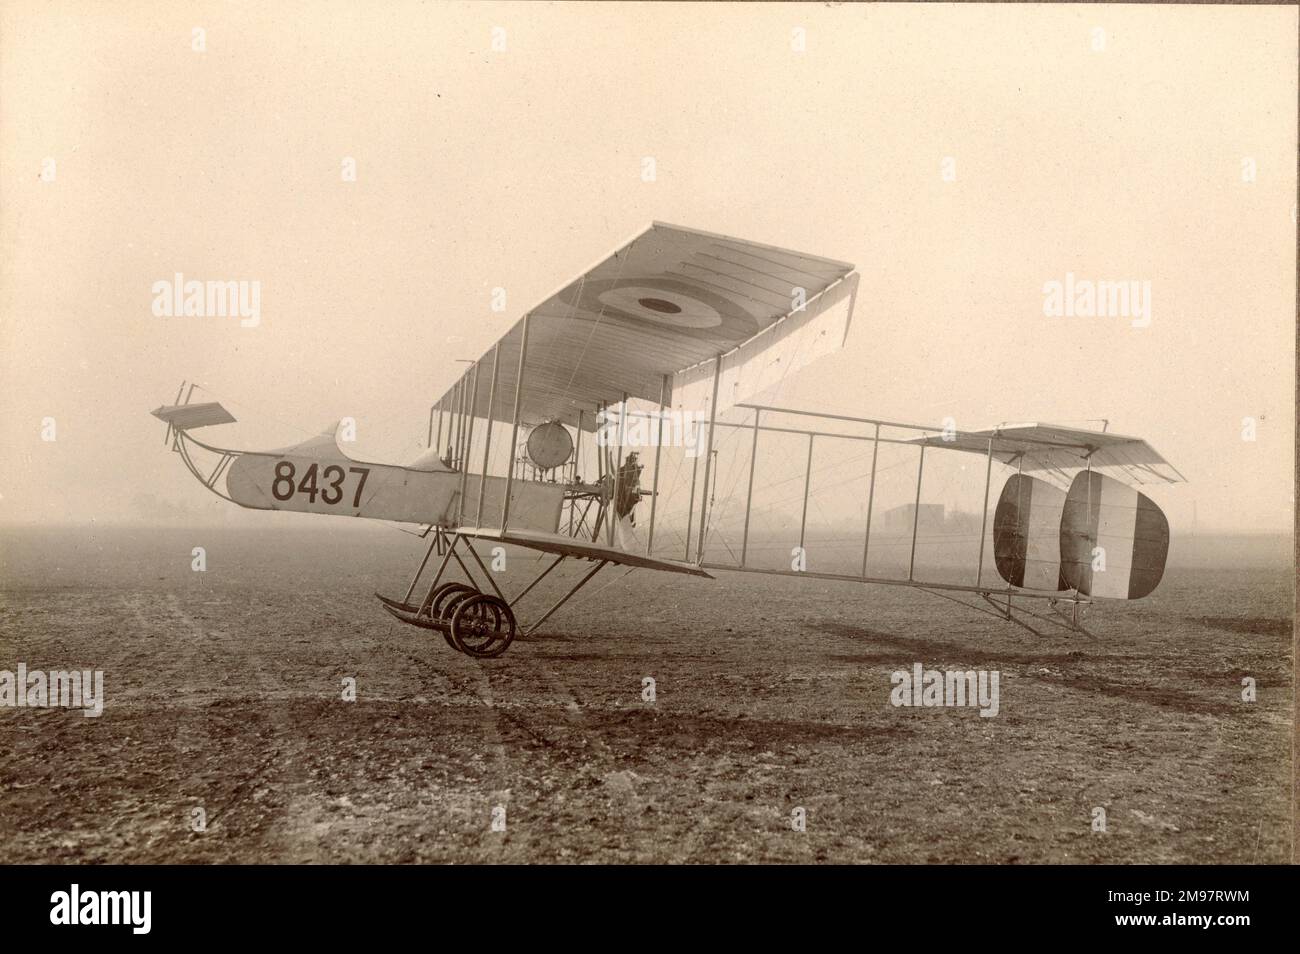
{"x": 961, "y": 157}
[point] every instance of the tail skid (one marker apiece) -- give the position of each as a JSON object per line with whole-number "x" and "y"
{"x": 1067, "y": 611}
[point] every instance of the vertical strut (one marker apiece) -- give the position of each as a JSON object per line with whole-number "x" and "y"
{"x": 453, "y": 421}
{"x": 749, "y": 494}
{"x": 807, "y": 486}
{"x": 659, "y": 443}
{"x": 487, "y": 435}
{"x": 471, "y": 406}
{"x": 514, "y": 426}
{"x": 455, "y": 424}
{"x": 577, "y": 445}
{"x": 871, "y": 498}
{"x": 916, "y": 512}
{"x": 690, "y": 509}
{"x": 984, "y": 523}
{"x": 577, "y": 459}
{"x": 708, "y": 461}
{"x": 618, "y": 469}
{"x": 464, "y": 417}
{"x": 600, "y": 472}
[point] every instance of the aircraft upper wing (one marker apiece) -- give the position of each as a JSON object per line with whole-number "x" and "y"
{"x": 669, "y": 300}
{"x": 1056, "y": 453}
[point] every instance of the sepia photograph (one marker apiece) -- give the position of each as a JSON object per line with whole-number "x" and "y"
{"x": 647, "y": 434}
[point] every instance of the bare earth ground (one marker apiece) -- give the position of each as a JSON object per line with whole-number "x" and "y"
{"x": 224, "y": 692}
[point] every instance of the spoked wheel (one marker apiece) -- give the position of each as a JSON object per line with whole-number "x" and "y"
{"x": 453, "y": 600}
{"x": 482, "y": 626}
{"x": 433, "y": 602}
{"x": 445, "y": 599}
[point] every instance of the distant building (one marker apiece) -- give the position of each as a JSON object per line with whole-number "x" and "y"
{"x": 901, "y": 519}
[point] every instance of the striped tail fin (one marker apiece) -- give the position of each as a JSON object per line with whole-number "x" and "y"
{"x": 1027, "y": 533}
{"x": 1114, "y": 540}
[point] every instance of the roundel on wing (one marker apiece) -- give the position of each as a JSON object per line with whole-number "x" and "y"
{"x": 669, "y": 304}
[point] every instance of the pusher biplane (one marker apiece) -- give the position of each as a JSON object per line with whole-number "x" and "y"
{"x": 620, "y": 422}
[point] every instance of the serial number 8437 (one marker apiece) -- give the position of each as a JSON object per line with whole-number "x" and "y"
{"x": 330, "y": 489}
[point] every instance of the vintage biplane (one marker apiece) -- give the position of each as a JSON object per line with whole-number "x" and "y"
{"x": 618, "y": 421}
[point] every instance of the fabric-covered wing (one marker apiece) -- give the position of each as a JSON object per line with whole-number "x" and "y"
{"x": 669, "y": 299}
{"x": 758, "y": 367}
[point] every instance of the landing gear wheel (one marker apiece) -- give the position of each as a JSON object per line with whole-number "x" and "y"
{"x": 445, "y": 599}
{"x": 433, "y": 602}
{"x": 453, "y": 600}
{"x": 482, "y": 626}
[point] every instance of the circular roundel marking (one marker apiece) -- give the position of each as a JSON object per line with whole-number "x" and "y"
{"x": 667, "y": 303}
{"x": 662, "y": 306}
{"x": 659, "y": 305}
{"x": 549, "y": 445}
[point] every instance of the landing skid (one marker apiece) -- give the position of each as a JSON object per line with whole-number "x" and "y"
{"x": 1066, "y": 611}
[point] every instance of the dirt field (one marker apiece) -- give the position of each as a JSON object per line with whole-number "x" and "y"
{"x": 224, "y": 692}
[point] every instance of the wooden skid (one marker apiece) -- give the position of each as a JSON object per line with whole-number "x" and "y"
{"x": 412, "y": 617}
